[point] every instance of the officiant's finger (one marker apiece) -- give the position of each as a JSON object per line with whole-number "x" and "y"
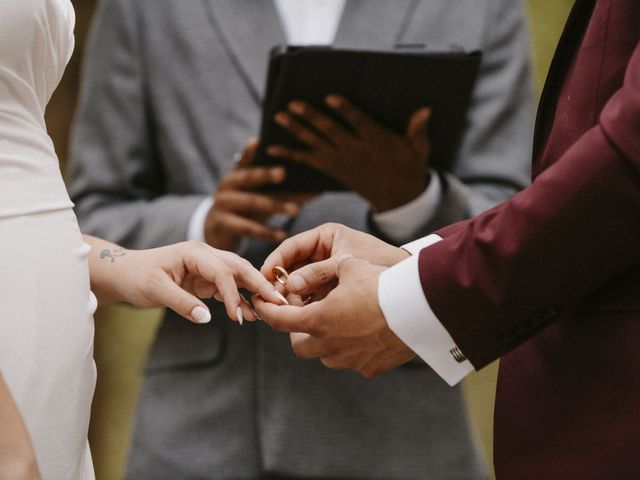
{"x": 252, "y": 178}
{"x": 248, "y": 153}
{"x": 331, "y": 129}
{"x": 299, "y": 130}
{"x": 417, "y": 130}
{"x": 301, "y": 248}
{"x": 242, "y": 226}
{"x": 298, "y": 198}
{"x": 249, "y": 202}
{"x": 298, "y": 156}
{"x": 355, "y": 117}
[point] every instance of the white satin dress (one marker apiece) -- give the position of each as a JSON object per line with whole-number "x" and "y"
{"x": 46, "y": 307}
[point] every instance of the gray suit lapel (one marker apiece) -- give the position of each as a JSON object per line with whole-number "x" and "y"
{"x": 374, "y": 23}
{"x": 247, "y": 29}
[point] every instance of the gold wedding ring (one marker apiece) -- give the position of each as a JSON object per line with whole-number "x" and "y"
{"x": 281, "y": 275}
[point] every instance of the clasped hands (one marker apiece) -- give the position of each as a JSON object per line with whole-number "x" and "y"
{"x": 334, "y": 268}
{"x": 337, "y": 268}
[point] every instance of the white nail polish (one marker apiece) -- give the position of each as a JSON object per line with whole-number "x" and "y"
{"x": 239, "y": 315}
{"x": 201, "y": 314}
{"x": 281, "y": 297}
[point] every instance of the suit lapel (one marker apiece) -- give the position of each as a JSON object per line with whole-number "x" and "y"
{"x": 247, "y": 29}
{"x": 568, "y": 45}
{"x": 367, "y": 23}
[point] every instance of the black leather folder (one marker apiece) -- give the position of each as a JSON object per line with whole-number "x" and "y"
{"x": 389, "y": 85}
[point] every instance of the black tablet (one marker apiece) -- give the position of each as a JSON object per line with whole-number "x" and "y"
{"x": 389, "y": 85}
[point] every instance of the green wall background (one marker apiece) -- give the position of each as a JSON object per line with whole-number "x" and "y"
{"x": 124, "y": 334}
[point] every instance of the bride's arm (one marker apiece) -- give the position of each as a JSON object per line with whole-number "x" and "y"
{"x": 17, "y": 458}
{"x": 174, "y": 276}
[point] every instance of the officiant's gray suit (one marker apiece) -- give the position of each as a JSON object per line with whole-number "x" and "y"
{"x": 171, "y": 90}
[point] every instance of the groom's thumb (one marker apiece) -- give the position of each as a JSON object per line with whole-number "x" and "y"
{"x": 312, "y": 277}
{"x": 347, "y": 264}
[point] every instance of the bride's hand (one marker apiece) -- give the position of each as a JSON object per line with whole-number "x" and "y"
{"x": 174, "y": 276}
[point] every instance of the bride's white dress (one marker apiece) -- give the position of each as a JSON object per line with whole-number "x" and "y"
{"x": 46, "y": 325}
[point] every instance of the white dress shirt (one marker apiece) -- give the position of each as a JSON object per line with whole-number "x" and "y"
{"x": 410, "y": 317}
{"x": 316, "y": 22}
{"x": 310, "y": 22}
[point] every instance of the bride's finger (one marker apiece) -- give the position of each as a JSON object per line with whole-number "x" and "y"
{"x": 248, "y": 313}
{"x": 202, "y": 288}
{"x": 248, "y": 277}
{"x": 167, "y": 293}
{"x": 227, "y": 290}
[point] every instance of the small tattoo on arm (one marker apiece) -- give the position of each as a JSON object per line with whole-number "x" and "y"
{"x": 118, "y": 252}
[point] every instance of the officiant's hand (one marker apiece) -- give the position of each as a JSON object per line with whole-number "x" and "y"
{"x": 346, "y": 329}
{"x": 387, "y": 169}
{"x": 239, "y": 211}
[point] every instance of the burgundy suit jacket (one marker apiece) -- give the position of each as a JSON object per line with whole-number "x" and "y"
{"x": 550, "y": 280}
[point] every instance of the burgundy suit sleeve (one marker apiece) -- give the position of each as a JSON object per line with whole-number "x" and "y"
{"x": 496, "y": 279}
{"x": 452, "y": 229}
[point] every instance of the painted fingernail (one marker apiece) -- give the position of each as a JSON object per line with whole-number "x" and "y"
{"x": 239, "y": 315}
{"x": 201, "y": 314}
{"x": 255, "y": 314}
{"x": 281, "y": 297}
{"x": 296, "y": 282}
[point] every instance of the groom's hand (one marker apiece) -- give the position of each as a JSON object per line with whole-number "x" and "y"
{"x": 311, "y": 255}
{"x": 347, "y": 328}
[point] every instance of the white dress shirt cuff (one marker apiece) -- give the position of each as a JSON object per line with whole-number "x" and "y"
{"x": 195, "y": 230}
{"x": 414, "y": 247}
{"x": 406, "y": 221}
{"x": 410, "y": 317}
